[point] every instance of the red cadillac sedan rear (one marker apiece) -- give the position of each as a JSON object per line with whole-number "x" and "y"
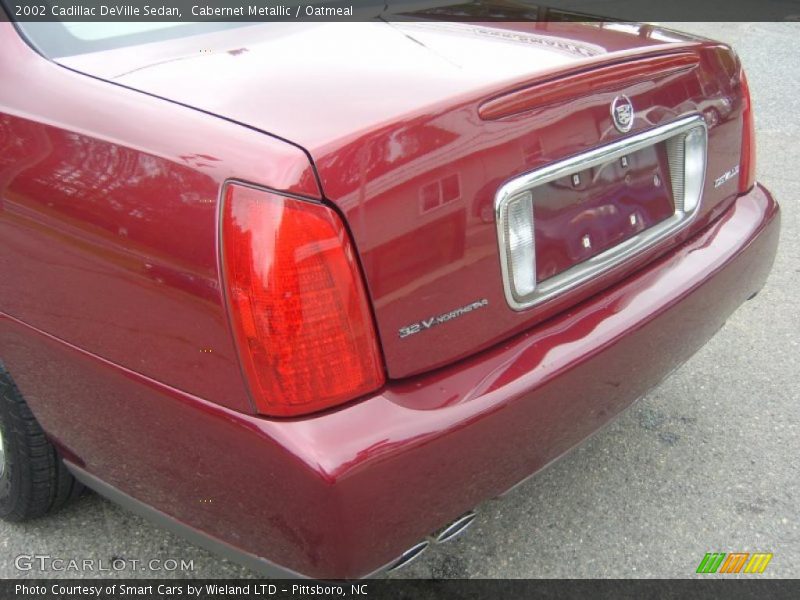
{"x": 311, "y": 311}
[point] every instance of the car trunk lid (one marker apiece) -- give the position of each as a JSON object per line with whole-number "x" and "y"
{"x": 414, "y": 128}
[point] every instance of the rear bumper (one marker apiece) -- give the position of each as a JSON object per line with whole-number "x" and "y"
{"x": 343, "y": 493}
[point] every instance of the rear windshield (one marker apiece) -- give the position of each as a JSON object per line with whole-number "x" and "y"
{"x": 57, "y": 40}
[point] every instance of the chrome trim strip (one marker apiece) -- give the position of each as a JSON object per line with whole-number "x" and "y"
{"x": 582, "y": 272}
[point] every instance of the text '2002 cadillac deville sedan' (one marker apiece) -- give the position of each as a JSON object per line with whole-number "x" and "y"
{"x": 310, "y": 292}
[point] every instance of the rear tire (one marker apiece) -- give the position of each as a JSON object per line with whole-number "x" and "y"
{"x": 33, "y": 479}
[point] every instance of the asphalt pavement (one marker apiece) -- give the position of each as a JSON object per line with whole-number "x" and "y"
{"x": 707, "y": 462}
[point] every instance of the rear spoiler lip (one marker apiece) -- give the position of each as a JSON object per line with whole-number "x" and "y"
{"x": 586, "y": 79}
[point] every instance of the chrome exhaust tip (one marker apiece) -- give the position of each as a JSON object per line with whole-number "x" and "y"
{"x": 409, "y": 556}
{"x": 451, "y": 531}
{"x": 455, "y": 528}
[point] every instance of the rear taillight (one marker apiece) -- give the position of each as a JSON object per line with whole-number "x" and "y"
{"x": 747, "y": 162}
{"x": 297, "y": 303}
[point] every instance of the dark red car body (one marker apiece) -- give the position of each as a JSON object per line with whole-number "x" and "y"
{"x": 113, "y": 320}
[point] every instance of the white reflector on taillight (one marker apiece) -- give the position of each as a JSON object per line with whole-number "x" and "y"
{"x": 694, "y": 170}
{"x": 519, "y": 232}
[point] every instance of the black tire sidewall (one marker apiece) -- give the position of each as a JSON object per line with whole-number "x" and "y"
{"x": 10, "y": 481}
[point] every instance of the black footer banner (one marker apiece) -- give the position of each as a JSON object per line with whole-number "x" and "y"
{"x": 409, "y": 589}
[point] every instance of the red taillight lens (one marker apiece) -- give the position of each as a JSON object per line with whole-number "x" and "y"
{"x": 298, "y": 306}
{"x": 747, "y": 162}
